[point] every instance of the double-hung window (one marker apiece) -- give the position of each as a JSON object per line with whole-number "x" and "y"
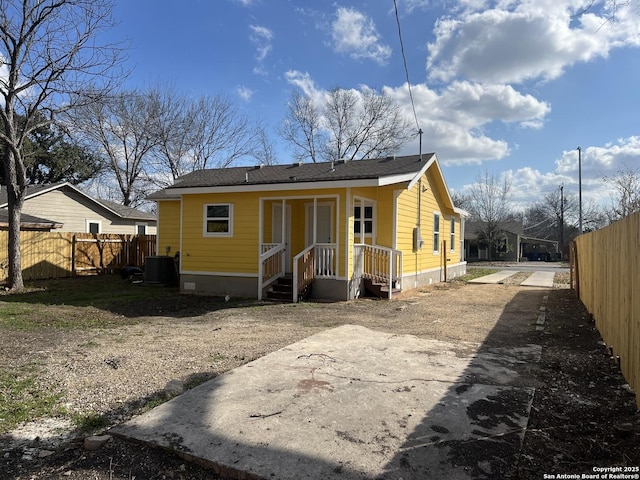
{"x": 363, "y": 220}
{"x": 453, "y": 234}
{"x": 436, "y": 232}
{"x": 218, "y": 220}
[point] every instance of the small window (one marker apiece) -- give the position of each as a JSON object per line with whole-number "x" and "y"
{"x": 218, "y": 220}
{"x": 453, "y": 235}
{"x": 436, "y": 232}
{"x": 93, "y": 226}
{"x": 367, "y": 219}
{"x": 141, "y": 228}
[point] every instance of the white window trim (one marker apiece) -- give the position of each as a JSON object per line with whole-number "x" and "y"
{"x": 363, "y": 202}
{"x": 452, "y": 234}
{"x": 436, "y": 251}
{"x": 140, "y": 224}
{"x": 205, "y": 218}
{"x": 88, "y": 221}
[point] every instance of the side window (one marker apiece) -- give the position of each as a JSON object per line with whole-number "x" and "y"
{"x": 93, "y": 226}
{"x": 218, "y": 220}
{"x": 453, "y": 235}
{"x": 360, "y": 219}
{"x": 141, "y": 228}
{"x": 436, "y": 232}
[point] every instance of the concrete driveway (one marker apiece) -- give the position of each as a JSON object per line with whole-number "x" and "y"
{"x": 353, "y": 403}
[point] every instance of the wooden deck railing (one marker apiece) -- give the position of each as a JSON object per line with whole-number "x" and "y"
{"x": 270, "y": 266}
{"x": 315, "y": 261}
{"x": 304, "y": 269}
{"x": 379, "y": 264}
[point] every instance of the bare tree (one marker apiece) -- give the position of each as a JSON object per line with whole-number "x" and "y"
{"x": 266, "y": 153}
{"x": 123, "y": 128}
{"x": 199, "y": 133}
{"x": 301, "y": 127}
{"x": 220, "y": 135}
{"x": 625, "y": 198}
{"x": 49, "y": 59}
{"x": 490, "y": 205}
{"x": 172, "y": 156}
{"x": 363, "y": 125}
{"x": 349, "y": 125}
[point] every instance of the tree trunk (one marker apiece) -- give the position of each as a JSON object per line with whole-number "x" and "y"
{"x": 15, "y": 197}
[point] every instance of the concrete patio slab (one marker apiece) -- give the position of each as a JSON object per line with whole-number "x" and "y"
{"x": 539, "y": 279}
{"x": 494, "y": 277}
{"x": 352, "y": 403}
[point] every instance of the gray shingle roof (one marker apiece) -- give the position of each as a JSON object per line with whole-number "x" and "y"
{"x": 303, "y": 172}
{"x": 127, "y": 212}
{"x": 119, "y": 209}
{"x": 29, "y": 220}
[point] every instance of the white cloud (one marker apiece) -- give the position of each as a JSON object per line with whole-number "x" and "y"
{"x": 411, "y": 5}
{"x": 246, "y": 3}
{"x": 261, "y": 37}
{"x": 530, "y": 39}
{"x": 530, "y": 184}
{"x": 245, "y": 93}
{"x": 453, "y": 120}
{"x": 355, "y": 34}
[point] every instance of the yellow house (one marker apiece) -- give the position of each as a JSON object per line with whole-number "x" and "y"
{"x": 333, "y": 230}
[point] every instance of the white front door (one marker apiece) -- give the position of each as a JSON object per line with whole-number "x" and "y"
{"x": 324, "y": 226}
{"x": 276, "y": 232}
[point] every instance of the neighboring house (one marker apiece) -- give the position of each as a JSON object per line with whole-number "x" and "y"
{"x": 28, "y": 222}
{"x": 69, "y": 209}
{"x": 334, "y": 227}
{"x": 512, "y": 245}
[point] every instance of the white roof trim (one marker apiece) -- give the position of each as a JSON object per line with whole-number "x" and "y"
{"x": 422, "y": 171}
{"x": 279, "y": 187}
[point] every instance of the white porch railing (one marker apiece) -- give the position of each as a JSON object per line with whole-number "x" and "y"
{"x": 270, "y": 266}
{"x": 379, "y": 264}
{"x": 315, "y": 261}
{"x": 265, "y": 247}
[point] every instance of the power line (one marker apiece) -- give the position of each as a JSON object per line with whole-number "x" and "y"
{"x": 406, "y": 70}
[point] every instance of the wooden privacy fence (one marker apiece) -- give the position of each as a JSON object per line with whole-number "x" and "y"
{"x": 59, "y": 254}
{"x": 605, "y": 271}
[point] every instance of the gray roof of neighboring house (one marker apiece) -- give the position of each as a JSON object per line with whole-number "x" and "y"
{"x": 118, "y": 209}
{"x": 472, "y": 227}
{"x": 301, "y": 172}
{"x": 29, "y": 221}
{"x": 127, "y": 212}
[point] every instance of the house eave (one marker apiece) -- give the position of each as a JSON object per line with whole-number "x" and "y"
{"x": 291, "y": 186}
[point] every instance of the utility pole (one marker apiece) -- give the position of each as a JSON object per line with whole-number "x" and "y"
{"x": 561, "y": 217}
{"x": 580, "y": 188}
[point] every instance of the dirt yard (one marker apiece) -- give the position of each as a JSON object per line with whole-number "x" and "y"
{"x": 583, "y": 415}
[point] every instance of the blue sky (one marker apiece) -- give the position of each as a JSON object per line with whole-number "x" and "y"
{"x": 512, "y": 87}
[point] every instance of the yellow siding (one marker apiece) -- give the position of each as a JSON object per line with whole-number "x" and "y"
{"x": 385, "y": 221}
{"x": 410, "y": 217}
{"x": 234, "y": 254}
{"x": 169, "y": 232}
{"x": 239, "y": 253}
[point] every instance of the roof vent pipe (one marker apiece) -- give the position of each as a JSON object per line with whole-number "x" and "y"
{"x": 246, "y": 177}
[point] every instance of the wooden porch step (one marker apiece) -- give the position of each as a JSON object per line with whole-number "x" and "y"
{"x": 380, "y": 290}
{"x": 281, "y": 290}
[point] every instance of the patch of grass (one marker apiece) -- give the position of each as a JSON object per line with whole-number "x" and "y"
{"x": 217, "y": 357}
{"x": 75, "y": 303}
{"x": 152, "y": 402}
{"x": 91, "y": 423}
{"x": 22, "y": 399}
{"x": 477, "y": 273}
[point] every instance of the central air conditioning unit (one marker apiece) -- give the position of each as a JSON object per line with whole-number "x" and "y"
{"x": 160, "y": 269}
